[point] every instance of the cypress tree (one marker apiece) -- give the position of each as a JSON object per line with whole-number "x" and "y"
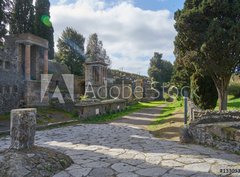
{"x": 4, "y": 14}
{"x": 42, "y": 24}
{"x": 22, "y": 17}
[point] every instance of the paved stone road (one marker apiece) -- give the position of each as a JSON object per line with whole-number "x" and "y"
{"x": 106, "y": 150}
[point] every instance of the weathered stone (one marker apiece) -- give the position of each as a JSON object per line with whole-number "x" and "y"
{"x": 23, "y": 127}
{"x": 171, "y": 163}
{"x": 96, "y": 164}
{"x": 189, "y": 160}
{"x": 44, "y": 162}
{"x": 101, "y": 172}
{"x": 62, "y": 174}
{"x": 78, "y": 172}
{"x": 123, "y": 167}
{"x": 152, "y": 171}
{"x": 198, "y": 167}
{"x": 127, "y": 175}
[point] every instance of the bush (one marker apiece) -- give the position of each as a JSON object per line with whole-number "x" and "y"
{"x": 234, "y": 89}
{"x": 203, "y": 91}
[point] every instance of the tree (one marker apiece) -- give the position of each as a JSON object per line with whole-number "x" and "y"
{"x": 181, "y": 75}
{"x": 209, "y": 30}
{"x": 42, "y": 24}
{"x": 204, "y": 93}
{"x": 160, "y": 70}
{"x": 22, "y": 18}
{"x": 95, "y": 50}
{"x": 71, "y": 50}
{"x": 4, "y": 15}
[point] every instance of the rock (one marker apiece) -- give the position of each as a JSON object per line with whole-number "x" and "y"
{"x": 102, "y": 172}
{"x": 122, "y": 167}
{"x": 152, "y": 171}
{"x": 23, "y": 127}
{"x": 185, "y": 136}
{"x": 41, "y": 162}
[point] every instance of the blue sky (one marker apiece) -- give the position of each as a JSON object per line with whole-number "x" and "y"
{"x": 171, "y": 5}
{"x": 131, "y": 30}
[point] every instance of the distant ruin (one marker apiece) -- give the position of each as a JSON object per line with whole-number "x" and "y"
{"x": 25, "y": 58}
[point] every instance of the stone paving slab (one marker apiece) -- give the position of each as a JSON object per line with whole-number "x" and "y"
{"x": 117, "y": 150}
{"x": 125, "y": 150}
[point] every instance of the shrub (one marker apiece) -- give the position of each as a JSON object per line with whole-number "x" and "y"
{"x": 203, "y": 91}
{"x": 234, "y": 89}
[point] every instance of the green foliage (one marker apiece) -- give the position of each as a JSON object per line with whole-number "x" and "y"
{"x": 234, "y": 89}
{"x": 234, "y": 104}
{"x": 83, "y": 97}
{"x": 204, "y": 93}
{"x": 71, "y": 50}
{"x": 22, "y": 18}
{"x": 160, "y": 70}
{"x": 42, "y": 24}
{"x": 208, "y": 36}
{"x": 5, "y": 6}
{"x": 181, "y": 75}
{"x": 95, "y": 50}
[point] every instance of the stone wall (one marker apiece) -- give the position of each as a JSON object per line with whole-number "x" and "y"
{"x": 196, "y": 115}
{"x": 11, "y": 86}
{"x": 214, "y": 128}
{"x": 87, "y": 110}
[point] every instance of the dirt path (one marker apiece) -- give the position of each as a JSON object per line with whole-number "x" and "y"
{"x": 170, "y": 128}
{"x": 141, "y": 118}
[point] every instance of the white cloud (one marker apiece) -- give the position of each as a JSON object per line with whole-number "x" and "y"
{"x": 130, "y": 35}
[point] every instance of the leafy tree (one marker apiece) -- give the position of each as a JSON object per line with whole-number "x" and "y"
{"x": 71, "y": 50}
{"x": 5, "y": 6}
{"x": 22, "y": 18}
{"x": 95, "y": 50}
{"x": 42, "y": 24}
{"x": 204, "y": 93}
{"x": 181, "y": 75}
{"x": 160, "y": 70}
{"x": 208, "y": 30}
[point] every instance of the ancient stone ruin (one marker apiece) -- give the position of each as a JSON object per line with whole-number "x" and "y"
{"x": 23, "y": 127}
{"x": 214, "y": 128}
{"x": 24, "y": 158}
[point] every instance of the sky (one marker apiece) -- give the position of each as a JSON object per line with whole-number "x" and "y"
{"x": 131, "y": 30}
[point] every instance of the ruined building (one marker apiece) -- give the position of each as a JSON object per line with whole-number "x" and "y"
{"x": 22, "y": 61}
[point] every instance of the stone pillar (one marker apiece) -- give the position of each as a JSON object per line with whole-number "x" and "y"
{"x": 20, "y": 59}
{"x": 22, "y": 129}
{"x": 45, "y": 69}
{"x": 38, "y": 75}
{"x": 28, "y": 62}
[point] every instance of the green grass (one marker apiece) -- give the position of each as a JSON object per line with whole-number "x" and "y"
{"x": 51, "y": 115}
{"x": 166, "y": 113}
{"x": 233, "y": 103}
{"x": 5, "y": 117}
{"x": 129, "y": 110}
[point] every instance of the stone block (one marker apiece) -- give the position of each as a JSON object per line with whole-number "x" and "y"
{"x": 22, "y": 129}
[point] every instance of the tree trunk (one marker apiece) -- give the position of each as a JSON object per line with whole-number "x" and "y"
{"x": 222, "y": 86}
{"x": 222, "y": 95}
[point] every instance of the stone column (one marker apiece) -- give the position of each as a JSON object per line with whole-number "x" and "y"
{"x": 45, "y": 69}
{"x": 20, "y": 59}
{"x": 22, "y": 129}
{"x": 38, "y": 75}
{"x": 28, "y": 62}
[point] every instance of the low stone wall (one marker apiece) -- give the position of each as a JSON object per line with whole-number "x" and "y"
{"x": 197, "y": 116}
{"x": 87, "y": 110}
{"x": 221, "y": 135}
{"x": 214, "y": 128}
